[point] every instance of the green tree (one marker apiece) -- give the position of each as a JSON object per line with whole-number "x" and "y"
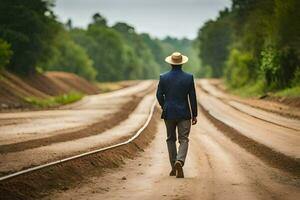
{"x": 99, "y": 20}
{"x": 156, "y": 48}
{"x": 30, "y": 27}
{"x": 5, "y": 53}
{"x": 107, "y": 53}
{"x": 284, "y": 42}
{"x": 263, "y": 38}
{"x": 144, "y": 58}
{"x": 237, "y": 68}
{"x": 214, "y": 39}
{"x": 70, "y": 57}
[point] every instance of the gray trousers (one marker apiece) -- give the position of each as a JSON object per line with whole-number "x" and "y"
{"x": 183, "y": 128}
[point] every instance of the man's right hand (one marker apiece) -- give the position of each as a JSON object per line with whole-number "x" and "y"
{"x": 194, "y": 120}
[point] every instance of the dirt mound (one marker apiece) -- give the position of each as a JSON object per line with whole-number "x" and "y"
{"x": 57, "y": 83}
{"x": 14, "y": 89}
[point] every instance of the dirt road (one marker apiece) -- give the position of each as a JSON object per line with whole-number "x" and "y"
{"x": 267, "y": 129}
{"x": 32, "y": 138}
{"x": 23, "y": 126}
{"x": 217, "y": 167}
{"x": 237, "y": 151}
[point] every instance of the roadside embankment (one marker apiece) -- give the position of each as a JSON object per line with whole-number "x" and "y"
{"x": 285, "y": 106}
{"x": 51, "y": 88}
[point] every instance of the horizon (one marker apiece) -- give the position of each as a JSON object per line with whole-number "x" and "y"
{"x": 139, "y": 14}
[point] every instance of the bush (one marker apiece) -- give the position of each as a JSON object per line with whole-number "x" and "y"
{"x": 237, "y": 71}
{"x": 296, "y": 79}
{"x": 5, "y": 53}
{"x": 278, "y": 66}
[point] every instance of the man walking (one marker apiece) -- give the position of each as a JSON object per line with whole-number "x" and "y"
{"x": 174, "y": 89}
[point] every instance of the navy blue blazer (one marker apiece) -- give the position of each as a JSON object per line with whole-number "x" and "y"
{"x": 174, "y": 89}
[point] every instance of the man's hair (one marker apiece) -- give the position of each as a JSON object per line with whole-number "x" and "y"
{"x": 176, "y": 65}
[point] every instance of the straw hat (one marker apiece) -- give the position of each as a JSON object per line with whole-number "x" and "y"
{"x": 176, "y": 59}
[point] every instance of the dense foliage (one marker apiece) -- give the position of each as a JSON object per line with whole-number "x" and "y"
{"x": 214, "y": 38}
{"x": 29, "y": 27}
{"x": 254, "y": 42}
{"x": 31, "y": 38}
{"x": 5, "y": 53}
{"x": 68, "y": 56}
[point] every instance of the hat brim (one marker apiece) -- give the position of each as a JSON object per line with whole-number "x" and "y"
{"x": 169, "y": 60}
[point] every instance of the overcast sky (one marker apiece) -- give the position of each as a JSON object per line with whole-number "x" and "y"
{"x": 177, "y": 18}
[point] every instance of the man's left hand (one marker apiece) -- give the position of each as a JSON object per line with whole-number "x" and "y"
{"x": 194, "y": 120}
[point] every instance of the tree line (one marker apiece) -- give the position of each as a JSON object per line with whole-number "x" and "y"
{"x": 32, "y": 40}
{"x": 253, "y": 43}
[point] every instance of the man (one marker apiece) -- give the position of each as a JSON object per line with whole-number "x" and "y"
{"x": 174, "y": 89}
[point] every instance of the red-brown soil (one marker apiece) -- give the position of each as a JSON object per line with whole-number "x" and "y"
{"x": 13, "y": 89}
{"x": 69, "y": 82}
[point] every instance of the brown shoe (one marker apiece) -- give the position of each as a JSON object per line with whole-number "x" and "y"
{"x": 172, "y": 172}
{"x": 179, "y": 171}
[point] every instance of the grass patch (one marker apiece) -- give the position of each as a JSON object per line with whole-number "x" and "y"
{"x": 289, "y": 92}
{"x": 54, "y": 101}
{"x": 258, "y": 89}
{"x": 251, "y": 90}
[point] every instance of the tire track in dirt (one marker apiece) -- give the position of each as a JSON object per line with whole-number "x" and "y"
{"x": 234, "y": 104}
{"x": 22, "y": 160}
{"x": 265, "y": 153}
{"x": 110, "y": 121}
{"x": 37, "y": 184}
{"x": 216, "y": 168}
{"x": 239, "y": 174}
{"x": 242, "y": 106}
{"x": 267, "y": 106}
{"x": 30, "y": 125}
